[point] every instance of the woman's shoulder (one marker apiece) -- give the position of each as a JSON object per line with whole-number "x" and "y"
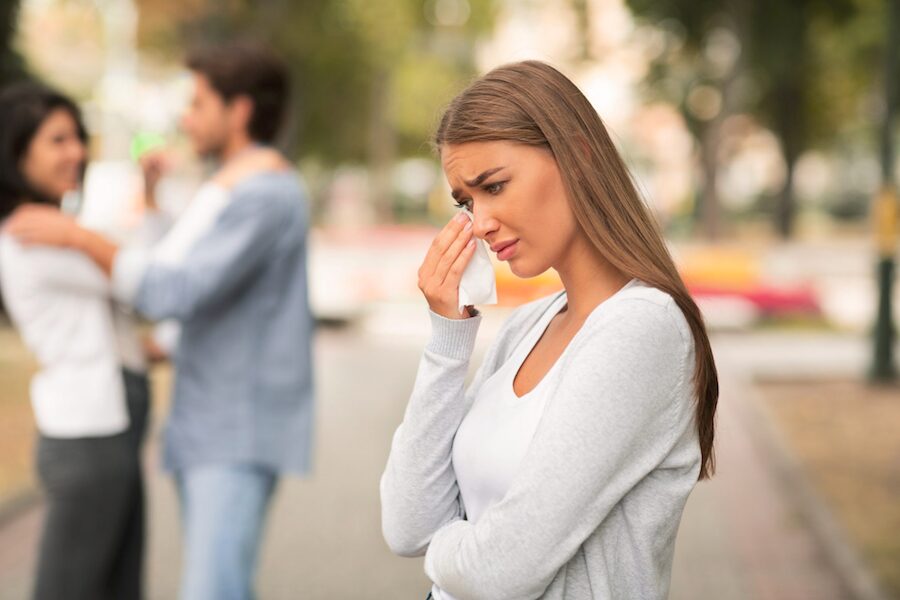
{"x": 10, "y": 248}
{"x": 640, "y": 309}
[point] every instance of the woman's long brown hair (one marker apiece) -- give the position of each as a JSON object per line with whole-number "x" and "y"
{"x": 532, "y": 103}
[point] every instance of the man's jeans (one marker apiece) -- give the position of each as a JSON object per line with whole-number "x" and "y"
{"x": 223, "y": 509}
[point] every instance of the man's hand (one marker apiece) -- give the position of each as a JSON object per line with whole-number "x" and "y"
{"x": 154, "y": 165}
{"x": 34, "y": 224}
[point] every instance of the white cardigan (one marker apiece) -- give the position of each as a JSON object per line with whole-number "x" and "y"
{"x": 594, "y": 508}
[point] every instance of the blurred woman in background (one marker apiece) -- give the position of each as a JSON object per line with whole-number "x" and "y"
{"x": 90, "y": 395}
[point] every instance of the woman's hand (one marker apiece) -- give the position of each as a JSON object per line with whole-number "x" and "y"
{"x": 442, "y": 270}
{"x": 33, "y": 224}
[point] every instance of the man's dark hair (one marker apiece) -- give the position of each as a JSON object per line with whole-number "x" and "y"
{"x": 252, "y": 69}
{"x": 23, "y": 108}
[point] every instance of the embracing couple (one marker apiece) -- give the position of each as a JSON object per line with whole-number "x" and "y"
{"x": 231, "y": 272}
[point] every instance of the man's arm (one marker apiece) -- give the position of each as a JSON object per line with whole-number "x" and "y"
{"x": 218, "y": 264}
{"x": 99, "y": 249}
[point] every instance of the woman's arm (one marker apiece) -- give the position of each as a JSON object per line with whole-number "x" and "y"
{"x": 419, "y": 493}
{"x": 35, "y": 224}
{"x": 609, "y": 424}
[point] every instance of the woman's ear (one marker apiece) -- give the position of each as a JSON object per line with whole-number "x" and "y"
{"x": 241, "y": 108}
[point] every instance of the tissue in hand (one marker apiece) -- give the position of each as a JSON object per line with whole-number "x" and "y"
{"x": 478, "y": 285}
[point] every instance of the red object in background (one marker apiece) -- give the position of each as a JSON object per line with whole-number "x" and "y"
{"x": 768, "y": 299}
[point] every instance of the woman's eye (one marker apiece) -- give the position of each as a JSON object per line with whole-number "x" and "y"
{"x": 462, "y": 204}
{"x": 494, "y": 188}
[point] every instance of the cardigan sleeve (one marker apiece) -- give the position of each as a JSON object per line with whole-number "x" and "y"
{"x": 608, "y": 425}
{"x": 419, "y": 493}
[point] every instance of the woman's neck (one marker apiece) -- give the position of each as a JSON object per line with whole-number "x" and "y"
{"x": 589, "y": 280}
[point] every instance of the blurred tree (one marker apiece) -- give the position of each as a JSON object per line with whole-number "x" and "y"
{"x": 11, "y": 66}
{"x": 784, "y": 43}
{"x": 582, "y": 11}
{"x": 698, "y": 72}
{"x": 370, "y": 77}
{"x": 886, "y": 208}
{"x": 785, "y": 75}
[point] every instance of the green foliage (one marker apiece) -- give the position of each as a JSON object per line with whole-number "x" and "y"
{"x": 353, "y": 62}
{"x": 807, "y": 66}
{"x": 809, "y": 70}
{"x": 694, "y": 17}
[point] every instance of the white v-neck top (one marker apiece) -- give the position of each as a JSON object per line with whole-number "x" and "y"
{"x": 495, "y": 434}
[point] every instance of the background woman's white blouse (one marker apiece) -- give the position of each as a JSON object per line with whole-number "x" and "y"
{"x": 60, "y": 302}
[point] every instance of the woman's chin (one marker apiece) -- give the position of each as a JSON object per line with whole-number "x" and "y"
{"x": 60, "y": 189}
{"x": 524, "y": 271}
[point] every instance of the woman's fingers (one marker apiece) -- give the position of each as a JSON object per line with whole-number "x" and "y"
{"x": 445, "y": 299}
{"x": 26, "y": 233}
{"x": 452, "y": 253}
{"x": 42, "y": 225}
{"x": 444, "y": 265}
{"x": 440, "y": 244}
{"x": 461, "y": 262}
{"x": 445, "y": 294}
{"x": 455, "y": 273}
{"x": 21, "y": 220}
{"x": 30, "y": 218}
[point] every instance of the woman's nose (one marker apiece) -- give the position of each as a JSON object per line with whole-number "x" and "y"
{"x": 483, "y": 223}
{"x": 78, "y": 151}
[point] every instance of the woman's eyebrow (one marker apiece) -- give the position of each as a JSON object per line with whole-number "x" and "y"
{"x": 478, "y": 180}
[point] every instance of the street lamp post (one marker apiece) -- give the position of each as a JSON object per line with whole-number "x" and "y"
{"x": 886, "y": 210}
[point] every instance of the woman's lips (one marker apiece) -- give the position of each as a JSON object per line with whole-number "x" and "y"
{"x": 508, "y": 250}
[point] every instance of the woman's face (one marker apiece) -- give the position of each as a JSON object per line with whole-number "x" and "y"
{"x": 517, "y": 195}
{"x": 54, "y": 160}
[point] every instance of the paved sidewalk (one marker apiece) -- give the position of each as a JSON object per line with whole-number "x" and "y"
{"x": 741, "y": 537}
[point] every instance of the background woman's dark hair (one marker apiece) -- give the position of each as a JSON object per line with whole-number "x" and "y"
{"x": 252, "y": 69}
{"x": 23, "y": 107}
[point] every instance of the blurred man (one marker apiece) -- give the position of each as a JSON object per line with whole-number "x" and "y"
{"x": 232, "y": 272}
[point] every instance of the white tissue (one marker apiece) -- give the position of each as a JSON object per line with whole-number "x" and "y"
{"x": 478, "y": 284}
